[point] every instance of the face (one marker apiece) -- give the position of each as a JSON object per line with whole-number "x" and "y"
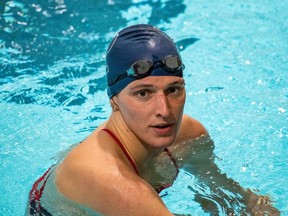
{"x": 152, "y": 108}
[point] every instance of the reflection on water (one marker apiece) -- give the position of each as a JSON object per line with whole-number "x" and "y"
{"x": 52, "y": 52}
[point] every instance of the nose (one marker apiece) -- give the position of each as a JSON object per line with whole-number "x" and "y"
{"x": 162, "y": 108}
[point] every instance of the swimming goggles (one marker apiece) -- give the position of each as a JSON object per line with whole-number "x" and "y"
{"x": 142, "y": 68}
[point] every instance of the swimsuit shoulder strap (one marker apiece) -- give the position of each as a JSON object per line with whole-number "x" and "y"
{"x": 174, "y": 162}
{"x": 122, "y": 148}
{"x": 172, "y": 159}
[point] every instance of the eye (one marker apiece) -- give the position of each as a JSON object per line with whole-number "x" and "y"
{"x": 175, "y": 90}
{"x": 143, "y": 94}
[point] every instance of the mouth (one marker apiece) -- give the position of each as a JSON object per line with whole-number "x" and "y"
{"x": 163, "y": 128}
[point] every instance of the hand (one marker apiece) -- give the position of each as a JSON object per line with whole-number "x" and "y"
{"x": 261, "y": 205}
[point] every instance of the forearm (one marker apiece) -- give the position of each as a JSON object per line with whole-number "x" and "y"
{"x": 222, "y": 189}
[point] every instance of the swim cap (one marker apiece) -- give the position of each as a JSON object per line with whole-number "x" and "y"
{"x": 137, "y": 42}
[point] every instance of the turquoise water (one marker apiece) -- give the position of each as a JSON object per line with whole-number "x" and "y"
{"x": 52, "y": 86}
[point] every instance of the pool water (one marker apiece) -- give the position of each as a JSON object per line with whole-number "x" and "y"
{"x": 53, "y": 93}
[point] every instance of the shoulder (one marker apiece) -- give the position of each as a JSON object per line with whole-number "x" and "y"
{"x": 190, "y": 128}
{"x": 92, "y": 162}
{"x": 97, "y": 177}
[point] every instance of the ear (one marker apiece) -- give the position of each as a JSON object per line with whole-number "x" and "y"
{"x": 114, "y": 105}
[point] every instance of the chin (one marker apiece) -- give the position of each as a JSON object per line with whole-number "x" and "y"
{"x": 162, "y": 142}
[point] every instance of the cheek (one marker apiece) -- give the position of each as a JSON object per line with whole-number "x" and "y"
{"x": 133, "y": 115}
{"x": 178, "y": 106}
{"x": 136, "y": 117}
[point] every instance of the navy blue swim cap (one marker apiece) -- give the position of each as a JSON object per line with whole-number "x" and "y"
{"x": 137, "y": 42}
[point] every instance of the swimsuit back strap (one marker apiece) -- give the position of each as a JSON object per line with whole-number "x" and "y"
{"x": 123, "y": 149}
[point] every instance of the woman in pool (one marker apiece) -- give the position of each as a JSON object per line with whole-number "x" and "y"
{"x": 125, "y": 163}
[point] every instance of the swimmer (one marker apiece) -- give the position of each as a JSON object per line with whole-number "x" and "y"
{"x": 121, "y": 168}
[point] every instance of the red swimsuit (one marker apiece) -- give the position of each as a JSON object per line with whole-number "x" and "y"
{"x": 34, "y": 204}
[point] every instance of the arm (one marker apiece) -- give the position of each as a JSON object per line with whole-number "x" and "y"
{"x": 196, "y": 148}
{"x": 106, "y": 189}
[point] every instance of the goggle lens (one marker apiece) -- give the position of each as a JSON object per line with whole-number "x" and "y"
{"x": 172, "y": 62}
{"x": 141, "y": 67}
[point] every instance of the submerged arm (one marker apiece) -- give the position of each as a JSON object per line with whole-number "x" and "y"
{"x": 202, "y": 165}
{"x": 196, "y": 157}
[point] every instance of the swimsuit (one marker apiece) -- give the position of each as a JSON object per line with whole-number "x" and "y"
{"x": 123, "y": 149}
{"x": 36, "y": 192}
{"x": 174, "y": 162}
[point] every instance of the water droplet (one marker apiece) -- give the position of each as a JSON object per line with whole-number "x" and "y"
{"x": 281, "y": 110}
{"x": 243, "y": 169}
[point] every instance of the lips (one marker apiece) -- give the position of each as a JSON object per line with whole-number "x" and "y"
{"x": 163, "y": 128}
{"x": 163, "y": 125}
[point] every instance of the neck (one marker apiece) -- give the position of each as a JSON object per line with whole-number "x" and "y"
{"x": 139, "y": 151}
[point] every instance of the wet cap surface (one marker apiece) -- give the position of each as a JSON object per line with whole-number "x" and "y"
{"x": 137, "y": 42}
